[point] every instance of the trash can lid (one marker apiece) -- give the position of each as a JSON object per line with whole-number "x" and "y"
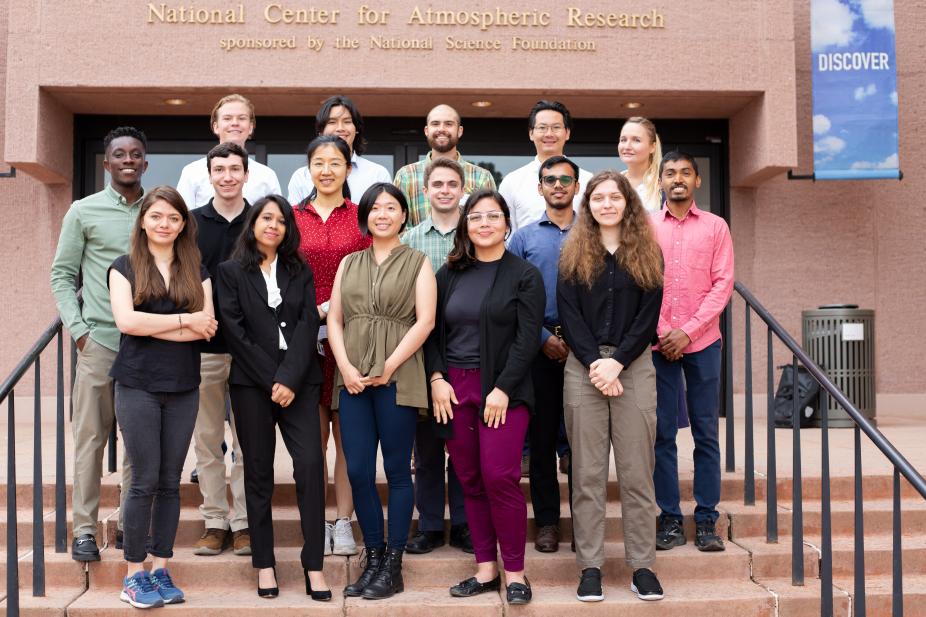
{"x": 837, "y": 306}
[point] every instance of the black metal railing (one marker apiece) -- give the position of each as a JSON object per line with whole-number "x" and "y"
{"x": 862, "y": 424}
{"x": 33, "y": 359}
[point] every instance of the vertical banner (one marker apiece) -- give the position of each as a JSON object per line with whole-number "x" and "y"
{"x": 854, "y": 89}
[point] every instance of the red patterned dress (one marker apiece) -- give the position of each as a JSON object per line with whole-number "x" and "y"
{"x": 324, "y": 244}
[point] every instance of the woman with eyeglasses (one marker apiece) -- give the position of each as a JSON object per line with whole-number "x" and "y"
{"x": 486, "y": 335}
{"x": 327, "y": 222}
{"x": 382, "y": 310}
{"x": 641, "y": 150}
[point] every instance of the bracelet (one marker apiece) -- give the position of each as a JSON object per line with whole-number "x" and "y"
{"x": 180, "y": 321}
{"x": 437, "y": 379}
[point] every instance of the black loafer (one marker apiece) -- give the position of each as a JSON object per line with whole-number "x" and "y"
{"x": 471, "y": 587}
{"x": 84, "y": 548}
{"x": 519, "y": 593}
{"x": 424, "y": 542}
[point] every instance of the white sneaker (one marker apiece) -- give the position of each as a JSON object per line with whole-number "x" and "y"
{"x": 329, "y": 532}
{"x": 343, "y": 538}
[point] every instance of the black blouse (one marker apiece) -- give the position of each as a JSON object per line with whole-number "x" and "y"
{"x": 153, "y": 364}
{"x": 615, "y": 311}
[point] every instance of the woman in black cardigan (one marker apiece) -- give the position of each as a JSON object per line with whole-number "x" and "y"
{"x": 489, "y": 313}
{"x": 267, "y": 305}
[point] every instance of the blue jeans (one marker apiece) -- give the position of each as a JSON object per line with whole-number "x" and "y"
{"x": 702, "y": 376}
{"x": 369, "y": 419}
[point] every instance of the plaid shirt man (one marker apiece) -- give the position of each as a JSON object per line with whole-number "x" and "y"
{"x": 410, "y": 180}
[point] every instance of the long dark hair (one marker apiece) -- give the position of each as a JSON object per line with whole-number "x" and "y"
{"x": 583, "y": 254}
{"x": 186, "y": 285}
{"x": 343, "y": 148}
{"x": 248, "y": 254}
{"x": 463, "y": 253}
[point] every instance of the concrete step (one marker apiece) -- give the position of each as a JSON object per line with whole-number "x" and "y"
{"x": 226, "y": 570}
{"x": 54, "y": 603}
{"x": 879, "y": 596}
{"x": 804, "y": 600}
{"x": 287, "y": 530}
{"x": 683, "y": 598}
{"x": 749, "y": 521}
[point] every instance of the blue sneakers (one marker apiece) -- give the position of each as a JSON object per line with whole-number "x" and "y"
{"x": 139, "y": 591}
{"x": 165, "y": 586}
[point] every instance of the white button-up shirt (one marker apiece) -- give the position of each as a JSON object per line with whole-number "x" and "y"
{"x": 519, "y": 188}
{"x": 364, "y": 173}
{"x": 274, "y": 299}
{"x": 196, "y": 188}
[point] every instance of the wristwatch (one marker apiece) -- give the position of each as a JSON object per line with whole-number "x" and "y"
{"x": 326, "y": 305}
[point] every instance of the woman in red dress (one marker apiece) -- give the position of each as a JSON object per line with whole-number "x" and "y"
{"x": 327, "y": 222}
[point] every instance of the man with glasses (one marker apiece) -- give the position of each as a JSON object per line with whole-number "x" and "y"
{"x": 539, "y": 243}
{"x": 443, "y": 130}
{"x": 549, "y": 125}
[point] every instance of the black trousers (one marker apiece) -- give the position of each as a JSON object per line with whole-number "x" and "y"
{"x": 547, "y": 375}
{"x": 256, "y": 417}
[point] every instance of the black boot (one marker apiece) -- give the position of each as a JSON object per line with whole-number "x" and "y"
{"x": 388, "y": 581}
{"x": 374, "y": 559}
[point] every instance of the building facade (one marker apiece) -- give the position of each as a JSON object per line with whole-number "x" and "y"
{"x": 729, "y": 81}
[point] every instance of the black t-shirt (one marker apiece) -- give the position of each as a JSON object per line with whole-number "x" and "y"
{"x": 216, "y": 238}
{"x": 152, "y": 364}
{"x": 462, "y": 314}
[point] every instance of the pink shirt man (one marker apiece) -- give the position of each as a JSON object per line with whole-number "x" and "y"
{"x": 698, "y": 255}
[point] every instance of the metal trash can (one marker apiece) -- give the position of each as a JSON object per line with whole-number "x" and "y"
{"x": 841, "y": 339}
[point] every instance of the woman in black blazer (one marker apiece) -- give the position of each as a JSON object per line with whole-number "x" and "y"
{"x": 267, "y": 304}
{"x": 490, "y": 307}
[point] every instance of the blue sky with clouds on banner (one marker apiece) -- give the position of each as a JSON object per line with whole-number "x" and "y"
{"x": 854, "y": 111}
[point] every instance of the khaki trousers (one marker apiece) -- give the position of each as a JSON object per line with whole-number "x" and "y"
{"x": 91, "y": 424}
{"x": 594, "y": 423}
{"x": 208, "y": 435}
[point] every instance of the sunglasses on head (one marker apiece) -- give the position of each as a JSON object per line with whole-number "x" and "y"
{"x": 565, "y": 181}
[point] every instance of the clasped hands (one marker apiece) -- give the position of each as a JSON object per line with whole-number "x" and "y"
{"x": 355, "y": 383}
{"x": 604, "y": 374}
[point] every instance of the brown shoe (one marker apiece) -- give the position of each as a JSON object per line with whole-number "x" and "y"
{"x": 547, "y": 540}
{"x": 241, "y": 542}
{"x": 212, "y": 542}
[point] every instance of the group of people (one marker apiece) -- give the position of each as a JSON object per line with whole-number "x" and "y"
{"x": 430, "y": 313}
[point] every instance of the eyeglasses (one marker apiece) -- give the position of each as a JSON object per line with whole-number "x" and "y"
{"x": 553, "y": 128}
{"x": 477, "y": 217}
{"x": 566, "y": 181}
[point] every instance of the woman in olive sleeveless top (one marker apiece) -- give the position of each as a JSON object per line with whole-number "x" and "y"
{"x": 382, "y": 310}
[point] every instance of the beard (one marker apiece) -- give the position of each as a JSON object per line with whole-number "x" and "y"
{"x": 443, "y": 148}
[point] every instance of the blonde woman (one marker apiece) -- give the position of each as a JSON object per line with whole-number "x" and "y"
{"x": 640, "y": 149}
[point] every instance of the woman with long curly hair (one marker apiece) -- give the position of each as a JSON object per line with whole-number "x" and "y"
{"x": 609, "y": 294}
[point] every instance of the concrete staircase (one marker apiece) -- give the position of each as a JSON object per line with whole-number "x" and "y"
{"x": 751, "y": 578}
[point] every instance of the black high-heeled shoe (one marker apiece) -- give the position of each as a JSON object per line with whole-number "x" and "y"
{"x": 268, "y": 592}
{"x": 318, "y": 596}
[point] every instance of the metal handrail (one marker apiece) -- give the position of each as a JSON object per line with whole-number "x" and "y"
{"x": 877, "y": 437}
{"x": 32, "y": 359}
{"x": 29, "y": 359}
{"x": 901, "y": 466}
